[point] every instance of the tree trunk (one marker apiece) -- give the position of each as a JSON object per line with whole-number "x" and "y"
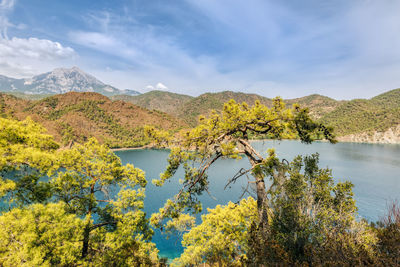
{"x": 262, "y": 202}
{"x": 86, "y": 231}
{"x": 86, "y": 234}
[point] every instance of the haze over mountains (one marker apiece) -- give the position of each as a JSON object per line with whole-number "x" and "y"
{"x": 59, "y": 81}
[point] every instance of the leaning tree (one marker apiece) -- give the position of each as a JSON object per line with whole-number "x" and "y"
{"x": 227, "y": 135}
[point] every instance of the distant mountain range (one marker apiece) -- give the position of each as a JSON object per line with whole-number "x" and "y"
{"x": 375, "y": 120}
{"x": 60, "y": 81}
{"x": 188, "y": 108}
{"x": 362, "y": 120}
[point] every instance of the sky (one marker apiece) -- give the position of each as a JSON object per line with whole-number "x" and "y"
{"x": 338, "y": 48}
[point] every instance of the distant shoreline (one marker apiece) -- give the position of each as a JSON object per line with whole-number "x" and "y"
{"x": 130, "y": 148}
{"x": 253, "y": 140}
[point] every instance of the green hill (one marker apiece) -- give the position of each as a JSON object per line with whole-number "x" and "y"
{"x": 203, "y": 104}
{"x": 121, "y": 124}
{"x": 77, "y": 116}
{"x": 188, "y": 108}
{"x": 29, "y": 96}
{"x": 157, "y": 100}
{"x": 377, "y": 114}
{"x": 319, "y": 105}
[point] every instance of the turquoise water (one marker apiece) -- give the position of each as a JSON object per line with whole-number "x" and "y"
{"x": 373, "y": 169}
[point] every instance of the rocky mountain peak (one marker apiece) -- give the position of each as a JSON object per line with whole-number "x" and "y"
{"x": 59, "y": 81}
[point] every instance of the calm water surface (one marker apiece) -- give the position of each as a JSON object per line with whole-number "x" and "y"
{"x": 373, "y": 169}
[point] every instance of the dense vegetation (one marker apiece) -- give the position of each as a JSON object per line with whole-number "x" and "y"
{"x": 359, "y": 115}
{"x": 71, "y": 217}
{"x": 78, "y": 116}
{"x": 347, "y": 117}
{"x": 157, "y": 100}
{"x": 79, "y": 206}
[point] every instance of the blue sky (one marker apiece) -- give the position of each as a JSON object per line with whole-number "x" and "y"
{"x": 342, "y": 49}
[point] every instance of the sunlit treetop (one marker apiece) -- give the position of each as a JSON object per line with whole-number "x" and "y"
{"x": 24, "y": 144}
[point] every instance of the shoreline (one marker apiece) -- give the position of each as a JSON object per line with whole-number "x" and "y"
{"x": 131, "y": 148}
{"x": 254, "y": 140}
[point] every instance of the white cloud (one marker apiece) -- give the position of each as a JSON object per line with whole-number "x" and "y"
{"x": 34, "y": 48}
{"x": 161, "y": 87}
{"x": 21, "y": 57}
{"x": 150, "y": 88}
{"x": 24, "y": 57}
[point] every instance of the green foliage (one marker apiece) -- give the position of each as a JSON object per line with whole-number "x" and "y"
{"x": 206, "y": 103}
{"x": 121, "y": 136}
{"x": 221, "y": 237}
{"x": 27, "y": 153}
{"x": 359, "y": 115}
{"x": 157, "y": 100}
{"x": 226, "y": 135}
{"x": 388, "y": 233}
{"x": 68, "y": 134}
{"x": 90, "y": 173}
{"x": 313, "y": 221}
{"x": 40, "y": 235}
{"x": 98, "y": 218}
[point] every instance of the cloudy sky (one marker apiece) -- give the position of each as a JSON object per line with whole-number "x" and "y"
{"x": 340, "y": 48}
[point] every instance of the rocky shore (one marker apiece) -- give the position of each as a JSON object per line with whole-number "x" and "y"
{"x": 390, "y": 136}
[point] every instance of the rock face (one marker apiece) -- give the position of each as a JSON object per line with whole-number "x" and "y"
{"x": 390, "y": 136}
{"x": 59, "y": 81}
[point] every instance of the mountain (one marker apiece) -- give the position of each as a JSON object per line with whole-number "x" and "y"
{"x": 186, "y": 107}
{"x": 368, "y": 120}
{"x": 157, "y": 100}
{"x": 203, "y": 104}
{"x": 76, "y": 116}
{"x": 318, "y": 105}
{"x": 59, "y": 81}
{"x": 360, "y": 120}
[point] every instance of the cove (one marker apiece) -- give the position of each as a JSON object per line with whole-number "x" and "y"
{"x": 374, "y": 169}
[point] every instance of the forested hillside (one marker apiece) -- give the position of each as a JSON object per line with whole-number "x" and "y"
{"x": 188, "y": 108}
{"x": 377, "y": 114}
{"x": 366, "y": 120}
{"x": 159, "y": 100}
{"x": 319, "y": 105}
{"x": 79, "y": 116}
{"x": 355, "y": 117}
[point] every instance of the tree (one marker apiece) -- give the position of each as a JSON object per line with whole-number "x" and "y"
{"x": 98, "y": 209}
{"x": 221, "y": 237}
{"x": 94, "y": 184}
{"x": 388, "y": 232}
{"x": 227, "y": 135}
{"x": 26, "y": 154}
{"x": 40, "y": 235}
{"x": 313, "y": 220}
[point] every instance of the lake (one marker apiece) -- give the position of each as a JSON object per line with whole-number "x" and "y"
{"x": 374, "y": 169}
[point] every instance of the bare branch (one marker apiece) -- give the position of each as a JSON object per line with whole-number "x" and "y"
{"x": 239, "y": 174}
